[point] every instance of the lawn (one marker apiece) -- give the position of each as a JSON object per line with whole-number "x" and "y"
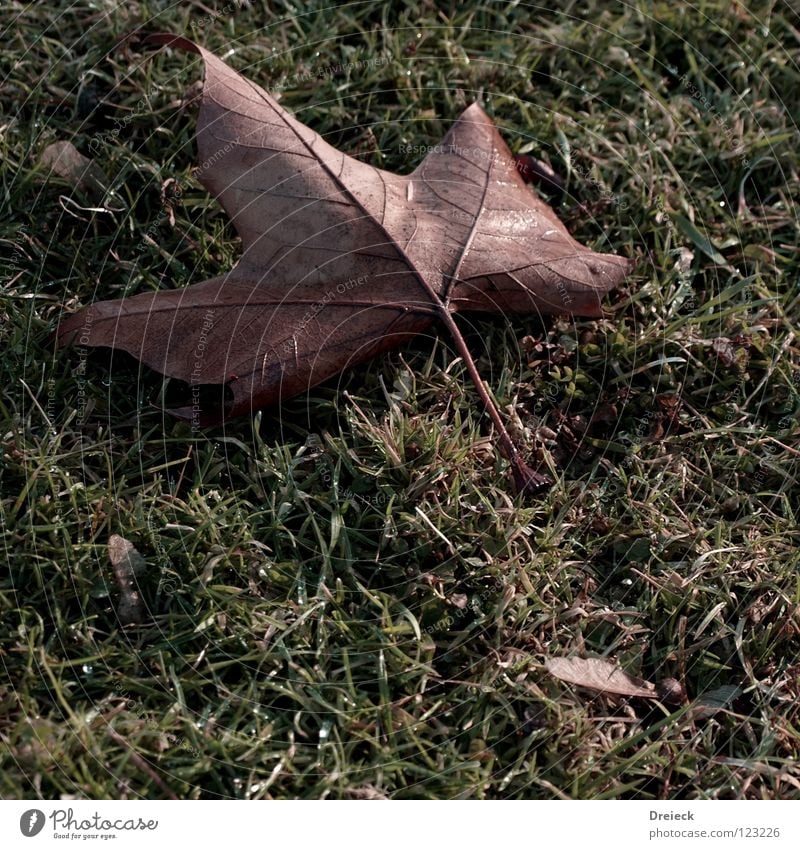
{"x": 341, "y": 597}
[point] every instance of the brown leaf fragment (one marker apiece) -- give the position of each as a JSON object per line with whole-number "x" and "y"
{"x": 668, "y": 416}
{"x": 669, "y": 402}
{"x": 600, "y": 675}
{"x": 724, "y": 349}
{"x": 732, "y": 353}
{"x": 529, "y": 482}
{"x": 126, "y": 563}
{"x": 343, "y": 261}
{"x": 64, "y": 160}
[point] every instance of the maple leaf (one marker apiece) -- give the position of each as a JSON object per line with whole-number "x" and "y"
{"x": 342, "y": 261}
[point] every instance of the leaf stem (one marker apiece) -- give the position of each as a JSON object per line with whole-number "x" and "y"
{"x": 526, "y": 479}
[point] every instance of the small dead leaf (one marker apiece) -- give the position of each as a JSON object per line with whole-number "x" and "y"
{"x": 724, "y": 350}
{"x": 64, "y": 160}
{"x": 127, "y": 563}
{"x": 527, "y": 481}
{"x": 732, "y": 352}
{"x": 684, "y": 261}
{"x": 667, "y": 418}
{"x": 594, "y": 673}
{"x": 669, "y": 402}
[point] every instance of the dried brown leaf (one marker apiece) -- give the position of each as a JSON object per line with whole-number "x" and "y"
{"x": 600, "y": 675}
{"x": 64, "y": 160}
{"x": 342, "y": 261}
{"x": 126, "y": 563}
{"x": 724, "y": 349}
